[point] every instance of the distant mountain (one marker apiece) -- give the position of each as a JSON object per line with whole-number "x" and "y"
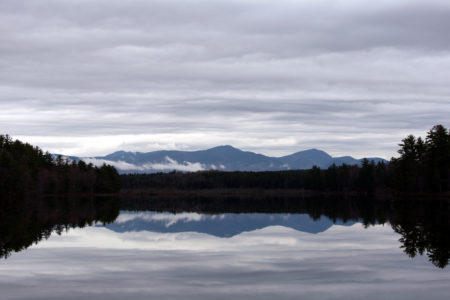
{"x": 224, "y": 225}
{"x": 225, "y": 158}
{"x": 306, "y": 159}
{"x": 348, "y": 160}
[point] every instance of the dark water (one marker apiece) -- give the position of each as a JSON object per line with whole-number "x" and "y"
{"x": 224, "y": 248}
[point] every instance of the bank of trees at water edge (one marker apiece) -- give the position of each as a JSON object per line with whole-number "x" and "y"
{"x": 26, "y": 170}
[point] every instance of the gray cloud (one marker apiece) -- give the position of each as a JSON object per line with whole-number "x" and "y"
{"x": 350, "y": 77}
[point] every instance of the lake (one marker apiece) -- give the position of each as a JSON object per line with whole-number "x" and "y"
{"x": 224, "y": 248}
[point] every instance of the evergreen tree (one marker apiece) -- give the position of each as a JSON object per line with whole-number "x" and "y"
{"x": 424, "y": 165}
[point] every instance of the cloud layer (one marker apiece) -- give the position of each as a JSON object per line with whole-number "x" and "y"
{"x": 168, "y": 164}
{"x": 350, "y": 77}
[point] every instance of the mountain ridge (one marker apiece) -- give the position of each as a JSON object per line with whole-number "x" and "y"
{"x": 223, "y": 157}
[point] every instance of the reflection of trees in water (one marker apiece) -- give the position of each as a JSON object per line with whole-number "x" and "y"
{"x": 24, "y": 222}
{"x": 424, "y": 225}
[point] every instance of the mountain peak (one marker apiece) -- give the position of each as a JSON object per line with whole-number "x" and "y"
{"x": 313, "y": 150}
{"x": 224, "y": 148}
{"x": 309, "y": 153}
{"x": 307, "y": 158}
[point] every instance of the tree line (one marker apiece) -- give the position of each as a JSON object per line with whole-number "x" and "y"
{"x": 335, "y": 178}
{"x": 423, "y": 166}
{"x": 26, "y": 171}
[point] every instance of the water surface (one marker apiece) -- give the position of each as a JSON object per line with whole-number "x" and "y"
{"x": 171, "y": 254}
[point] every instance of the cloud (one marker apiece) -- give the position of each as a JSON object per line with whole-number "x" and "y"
{"x": 169, "y": 164}
{"x": 350, "y": 77}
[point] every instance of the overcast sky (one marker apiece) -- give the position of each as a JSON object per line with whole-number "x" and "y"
{"x": 89, "y": 77}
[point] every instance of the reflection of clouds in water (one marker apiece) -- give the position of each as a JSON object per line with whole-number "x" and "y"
{"x": 337, "y": 237}
{"x": 344, "y": 262}
{"x": 169, "y": 218}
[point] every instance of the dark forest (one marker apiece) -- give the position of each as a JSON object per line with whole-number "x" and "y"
{"x": 26, "y": 171}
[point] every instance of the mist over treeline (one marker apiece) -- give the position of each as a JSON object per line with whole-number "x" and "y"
{"x": 27, "y": 171}
{"x": 423, "y": 166}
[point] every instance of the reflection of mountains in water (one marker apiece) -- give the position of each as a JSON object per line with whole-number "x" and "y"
{"x": 220, "y": 225}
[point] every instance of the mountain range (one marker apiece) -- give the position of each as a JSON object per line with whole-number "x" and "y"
{"x": 225, "y": 158}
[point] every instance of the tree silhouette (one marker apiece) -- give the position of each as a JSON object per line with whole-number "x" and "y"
{"x": 424, "y": 165}
{"x": 26, "y": 171}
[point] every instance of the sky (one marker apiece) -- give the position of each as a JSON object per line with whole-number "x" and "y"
{"x": 90, "y": 77}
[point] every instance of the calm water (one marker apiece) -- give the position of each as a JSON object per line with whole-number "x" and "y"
{"x": 310, "y": 251}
